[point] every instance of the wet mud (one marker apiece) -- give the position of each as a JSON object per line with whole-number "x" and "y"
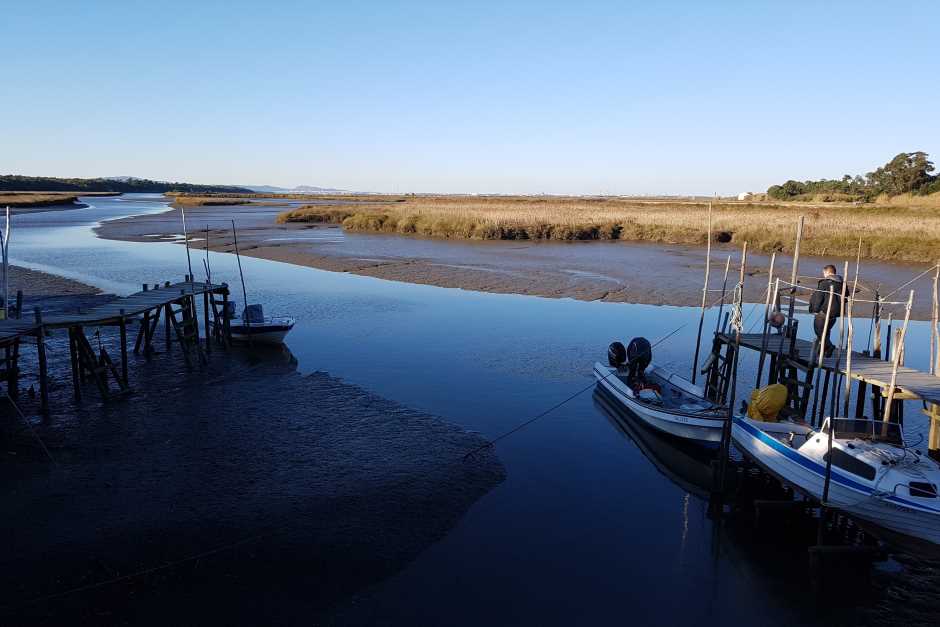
{"x": 239, "y": 492}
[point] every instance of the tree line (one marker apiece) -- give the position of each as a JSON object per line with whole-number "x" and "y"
{"x": 907, "y": 173}
{"x": 16, "y": 183}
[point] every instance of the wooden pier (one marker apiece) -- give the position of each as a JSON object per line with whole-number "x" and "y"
{"x": 176, "y": 303}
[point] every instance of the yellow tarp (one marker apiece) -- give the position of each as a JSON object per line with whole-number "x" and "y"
{"x": 767, "y": 402}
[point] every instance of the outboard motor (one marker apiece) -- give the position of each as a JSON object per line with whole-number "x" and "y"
{"x": 616, "y": 355}
{"x": 639, "y": 355}
{"x": 229, "y": 312}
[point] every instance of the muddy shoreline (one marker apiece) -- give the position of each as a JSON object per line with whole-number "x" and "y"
{"x": 192, "y": 497}
{"x": 629, "y": 272}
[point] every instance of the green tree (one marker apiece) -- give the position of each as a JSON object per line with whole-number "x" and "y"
{"x": 905, "y": 174}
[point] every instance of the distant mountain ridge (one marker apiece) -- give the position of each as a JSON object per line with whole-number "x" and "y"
{"x": 126, "y": 184}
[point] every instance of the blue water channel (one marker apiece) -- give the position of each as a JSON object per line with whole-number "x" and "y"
{"x": 586, "y": 527}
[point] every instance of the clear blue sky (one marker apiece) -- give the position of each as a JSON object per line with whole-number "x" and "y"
{"x": 528, "y": 97}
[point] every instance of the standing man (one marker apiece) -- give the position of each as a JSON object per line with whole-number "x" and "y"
{"x": 819, "y": 303}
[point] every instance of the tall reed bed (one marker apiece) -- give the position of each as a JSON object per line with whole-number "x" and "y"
{"x": 904, "y": 233}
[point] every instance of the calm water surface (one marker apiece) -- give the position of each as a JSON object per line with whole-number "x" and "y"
{"x": 586, "y": 528}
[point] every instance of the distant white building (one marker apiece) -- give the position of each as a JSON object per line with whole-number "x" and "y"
{"x": 745, "y": 195}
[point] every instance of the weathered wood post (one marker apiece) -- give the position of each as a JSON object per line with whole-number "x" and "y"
{"x": 897, "y": 359}
{"x": 226, "y": 326}
{"x": 701, "y": 318}
{"x": 167, "y": 314}
{"x": 821, "y": 356}
{"x": 123, "y": 326}
{"x": 737, "y": 324}
{"x": 933, "y": 434}
{"x": 73, "y": 359}
{"x": 850, "y": 333}
{"x": 43, "y": 366}
{"x": 205, "y": 321}
{"x": 766, "y": 326}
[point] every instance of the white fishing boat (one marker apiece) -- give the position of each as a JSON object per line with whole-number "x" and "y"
{"x": 660, "y": 398}
{"x": 875, "y": 475}
{"x": 254, "y": 326}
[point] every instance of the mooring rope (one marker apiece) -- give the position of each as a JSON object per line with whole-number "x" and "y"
{"x": 140, "y": 573}
{"x": 30, "y": 427}
{"x": 901, "y": 287}
{"x": 593, "y": 384}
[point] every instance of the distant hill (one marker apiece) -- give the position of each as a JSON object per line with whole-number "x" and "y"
{"x": 126, "y": 184}
{"x": 300, "y": 189}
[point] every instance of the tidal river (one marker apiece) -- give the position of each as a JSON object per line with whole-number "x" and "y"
{"x": 593, "y": 522}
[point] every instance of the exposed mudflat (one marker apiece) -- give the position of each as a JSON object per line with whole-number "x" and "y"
{"x": 630, "y": 272}
{"x": 239, "y": 492}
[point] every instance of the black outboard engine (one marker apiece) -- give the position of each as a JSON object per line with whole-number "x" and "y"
{"x": 639, "y": 355}
{"x": 616, "y": 355}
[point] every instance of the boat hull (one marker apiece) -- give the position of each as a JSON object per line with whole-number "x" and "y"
{"x": 705, "y": 431}
{"x": 891, "y": 512}
{"x": 261, "y": 333}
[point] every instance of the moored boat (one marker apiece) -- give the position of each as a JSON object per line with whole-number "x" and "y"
{"x": 875, "y": 476}
{"x": 660, "y": 398}
{"x": 254, "y": 326}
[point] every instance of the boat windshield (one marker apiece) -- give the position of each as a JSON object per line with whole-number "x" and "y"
{"x": 863, "y": 429}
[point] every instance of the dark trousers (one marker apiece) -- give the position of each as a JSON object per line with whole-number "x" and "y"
{"x": 818, "y": 323}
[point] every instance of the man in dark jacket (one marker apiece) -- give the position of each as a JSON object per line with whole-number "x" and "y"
{"x": 819, "y": 303}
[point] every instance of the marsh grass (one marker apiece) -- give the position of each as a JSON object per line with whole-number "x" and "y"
{"x": 36, "y": 199}
{"x": 891, "y": 232}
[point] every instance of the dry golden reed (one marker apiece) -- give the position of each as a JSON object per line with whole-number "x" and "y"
{"x": 908, "y": 230}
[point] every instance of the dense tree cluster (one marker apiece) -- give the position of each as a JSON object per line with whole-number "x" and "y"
{"x": 907, "y": 173}
{"x": 16, "y": 183}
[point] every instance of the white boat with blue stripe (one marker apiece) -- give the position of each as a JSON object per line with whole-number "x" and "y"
{"x": 875, "y": 476}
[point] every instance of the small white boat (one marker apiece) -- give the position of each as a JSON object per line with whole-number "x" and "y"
{"x": 875, "y": 476}
{"x": 254, "y": 326}
{"x": 658, "y": 397}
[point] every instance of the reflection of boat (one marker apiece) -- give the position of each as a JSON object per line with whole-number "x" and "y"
{"x": 660, "y": 398}
{"x": 874, "y": 475}
{"x": 254, "y": 326}
{"x": 687, "y": 466}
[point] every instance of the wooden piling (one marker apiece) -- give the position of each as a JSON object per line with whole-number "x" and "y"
{"x": 766, "y": 326}
{"x": 123, "y": 326}
{"x": 167, "y": 314}
{"x": 43, "y": 366}
{"x": 795, "y": 270}
{"x": 933, "y": 410}
{"x": 73, "y": 358}
{"x": 701, "y": 319}
{"x": 892, "y": 388}
{"x": 205, "y": 316}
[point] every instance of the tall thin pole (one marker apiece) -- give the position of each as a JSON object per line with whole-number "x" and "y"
{"x": 821, "y": 353}
{"x": 795, "y": 271}
{"x": 934, "y": 332}
{"x": 848, "y": 354}
{"x": 208, "y": 269}
{"x": 851, "y": 331}
{"x": 724, "y": 289}
{"x": 5, "y": 241}
{"x": 767, "y": 305}
{"x": 241, "y": 275}
{"x": 701, "y": 319}
{"x": 897, "y": 358}
{"x": 738, "y": 323}
{"x": 836, "y": 390}
{"x": 189, "y": 263}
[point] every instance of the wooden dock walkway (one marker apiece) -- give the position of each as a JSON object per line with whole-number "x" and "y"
{"x": 174, "y": 302}
{"x": 865, "y": 368}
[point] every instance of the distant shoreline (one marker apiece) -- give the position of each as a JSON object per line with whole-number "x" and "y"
{"x": 630, "y": 272}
